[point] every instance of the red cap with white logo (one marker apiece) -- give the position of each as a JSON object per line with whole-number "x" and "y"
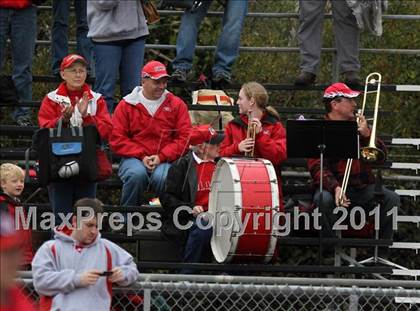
{"x": 154, "y": 70}
{"x": 340, "y": 90}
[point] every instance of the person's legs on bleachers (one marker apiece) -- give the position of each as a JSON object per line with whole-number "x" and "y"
{"x": 391, "y": 200}
{"x": 187, "y": 40}
{"x": 85, "y": 190}
{"x": 135, "y": 179}
{"x": 131, "y": 64}
{"x": 84, "y": 44}
{"x": 311, "y": 22}
{"x": 59, "y": 33}
{"x": 61, "y": 196}
{"x": 346, "y": 34}
{"x": 23, "y": 35}
{"x": 198, "y": 242}
{"x": 107, "y": 65}
{"x": 365, "y": 198}
{"x": 327, "y": 218}
{"x": 228, "y": 43}
{"x": 158, "y": 177}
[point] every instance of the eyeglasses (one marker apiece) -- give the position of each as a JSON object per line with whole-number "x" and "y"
{"x": 76, "y": 71}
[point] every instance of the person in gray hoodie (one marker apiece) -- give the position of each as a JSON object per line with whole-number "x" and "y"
{"x": 77, "y": 269}
{"x": 118, "y": 29}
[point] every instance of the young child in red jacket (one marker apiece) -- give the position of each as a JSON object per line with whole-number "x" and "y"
{"x": 12, "y": 184}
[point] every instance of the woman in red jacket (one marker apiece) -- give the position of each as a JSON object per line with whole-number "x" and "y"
{"x": 75, "y": 104}
{"x": 270, "y": 137}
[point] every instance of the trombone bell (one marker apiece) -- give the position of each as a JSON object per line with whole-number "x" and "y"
{"x": 372, "y": 154}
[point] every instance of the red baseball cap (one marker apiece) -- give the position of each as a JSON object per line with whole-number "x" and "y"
{"x": 340, "y": 90}
{"x": 9, "y": 237}
{"x": 154, "y": 70}
{"x": 205, "y": 134}
{"x": 70, "y": 59}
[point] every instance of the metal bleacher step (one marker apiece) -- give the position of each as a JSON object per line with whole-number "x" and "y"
{"x": 411, "y": 193}
{"x": 409, "y": 219}
{"x": 406, "y": 166}
{"x": 406, "y": 245}
{"x": 406, "y": 141}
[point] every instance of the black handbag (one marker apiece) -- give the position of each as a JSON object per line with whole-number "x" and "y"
{"x": 191, "y": 5}
{"x": 65, "y": 154}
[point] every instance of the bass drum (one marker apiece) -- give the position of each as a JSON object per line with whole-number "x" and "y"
{"x": 243, "y": 199}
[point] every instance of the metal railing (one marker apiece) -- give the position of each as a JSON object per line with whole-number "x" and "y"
{"x": 205, "y": 292}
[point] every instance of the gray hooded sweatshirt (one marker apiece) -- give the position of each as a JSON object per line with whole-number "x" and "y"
{"x": 58, "y": 264}
{"x": 113, "y": 20}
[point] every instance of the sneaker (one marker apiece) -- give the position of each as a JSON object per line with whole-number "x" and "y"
{"x": 305, "y": 78}
{"x": 351, "y": 78}
{"x": 179, "y": 75}
{"x": 24, "y": 121}
{"x": 221, "y": 80}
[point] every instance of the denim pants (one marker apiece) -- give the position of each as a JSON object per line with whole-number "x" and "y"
{"x": 63, "y": 195}
{"x": 59, "y": 36}
{"x": 197, "y": 248}
{"x": 119, "y": 57}
{"x": 21, "y": 26}
{"x": 136, "y": 180}
{"x": 228, "y": 43}
{"x": 364, "y": 198}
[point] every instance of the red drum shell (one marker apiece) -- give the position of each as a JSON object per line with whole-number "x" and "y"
{"x": 246, "y": 189}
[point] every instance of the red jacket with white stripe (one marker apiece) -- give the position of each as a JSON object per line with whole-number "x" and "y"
{"x": 51, "y": 110}
{"x": 137, "y": 134}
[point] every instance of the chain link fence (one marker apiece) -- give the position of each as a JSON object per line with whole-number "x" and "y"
{"x": 177, "y": 292}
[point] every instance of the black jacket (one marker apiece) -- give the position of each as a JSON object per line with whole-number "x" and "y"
{"x": 180, "y": 190}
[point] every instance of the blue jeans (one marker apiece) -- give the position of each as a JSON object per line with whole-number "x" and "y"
{"x": 119, "y": 57}
{"x": 136, "y": 180}
{"x": 197, "y": 247}
{"x": 63, "y": 195}
{"x": 59, "y": 36}
{"x": 21, "y": 26}
{"x": 228, "y": 43}
{"x": 364, "y": 198}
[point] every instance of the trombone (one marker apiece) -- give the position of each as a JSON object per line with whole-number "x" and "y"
{"x": 370, "y": 153}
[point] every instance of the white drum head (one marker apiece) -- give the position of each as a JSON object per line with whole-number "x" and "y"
{"x": 225, "y": 195}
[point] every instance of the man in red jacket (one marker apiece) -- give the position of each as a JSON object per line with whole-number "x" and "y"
{"x": 18, "y": 20}
{"x": 151, "y": 128}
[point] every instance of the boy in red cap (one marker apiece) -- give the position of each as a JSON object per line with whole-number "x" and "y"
{"x": 74, "y": 104}
{"x": 12, "y": 184}
{"x": 340, "y": 104}
{"x": 188, "y": 184}
{"x": 11, "y": 297}
{"x": 151, "y": 127}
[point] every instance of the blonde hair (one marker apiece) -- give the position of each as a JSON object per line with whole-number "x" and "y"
{"x": 9, "y": 171}
{"x": 259, "y": 94}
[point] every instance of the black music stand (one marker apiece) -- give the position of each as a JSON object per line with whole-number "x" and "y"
{"x": 319, "y": 138}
